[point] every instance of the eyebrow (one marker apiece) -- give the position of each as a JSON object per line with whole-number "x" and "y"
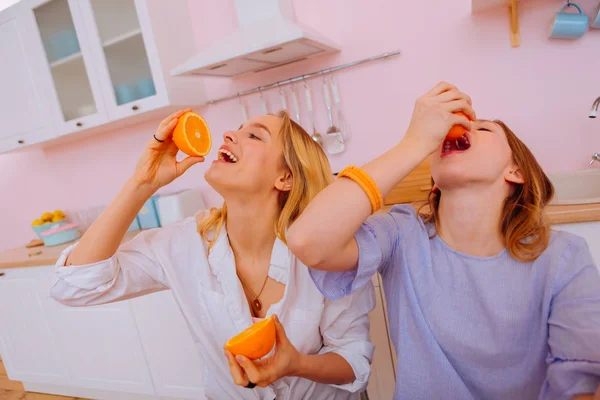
{"x": 257, "y": 125}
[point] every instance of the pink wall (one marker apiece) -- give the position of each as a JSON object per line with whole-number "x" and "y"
{"x": 544, "y": 102}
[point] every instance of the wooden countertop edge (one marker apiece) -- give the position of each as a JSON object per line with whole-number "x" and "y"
{"x": 557, "y": 214}
{"x": 20, "y": 257}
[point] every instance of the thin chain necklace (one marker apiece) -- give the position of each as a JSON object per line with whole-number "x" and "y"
{"x": 256, "y": 302}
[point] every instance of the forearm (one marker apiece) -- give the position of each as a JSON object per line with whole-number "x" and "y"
{"x": 329, "y": 368}
{"x": 330, "y": 221}
{"x": 103, "y": 238}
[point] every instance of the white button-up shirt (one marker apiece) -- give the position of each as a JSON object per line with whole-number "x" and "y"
{"x": 214, "y": 305}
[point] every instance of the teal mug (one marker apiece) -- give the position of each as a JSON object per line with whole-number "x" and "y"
{"x": 569, "y": 25}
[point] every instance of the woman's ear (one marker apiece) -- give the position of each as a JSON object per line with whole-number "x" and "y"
{"x": 514, "y": 175}
{"x": 284, "y": 182}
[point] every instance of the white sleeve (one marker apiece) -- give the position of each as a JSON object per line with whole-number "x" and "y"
{"x": 131, "y": 272}
{"x": 345, "y": 329}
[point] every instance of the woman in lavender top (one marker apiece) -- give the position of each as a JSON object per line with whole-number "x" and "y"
{"x": 484, "y": 300}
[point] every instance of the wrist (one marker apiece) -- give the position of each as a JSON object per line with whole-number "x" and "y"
{"x": 420, "y": 147}
{"x": 139, "y": 188}
{"x": 299, "y": 365}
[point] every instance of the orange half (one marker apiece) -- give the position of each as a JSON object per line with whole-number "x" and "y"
{"x": 254, "y": 342}
{"x": 457, "y": 131}
{"x": 191, "y": 135}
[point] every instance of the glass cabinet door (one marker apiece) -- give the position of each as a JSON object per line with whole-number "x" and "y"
{"x": 62, "y": 47}
{"x": 123, "y": 47}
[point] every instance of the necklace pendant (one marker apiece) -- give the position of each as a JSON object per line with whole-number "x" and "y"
{"x": 257, "y": 304}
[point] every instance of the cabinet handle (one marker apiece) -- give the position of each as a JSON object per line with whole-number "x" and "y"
{"x": 1, "y": 273}
{"x": 21, "y": 141}
{"x": 135, "y": 108}
{"x": 79, "y": 124}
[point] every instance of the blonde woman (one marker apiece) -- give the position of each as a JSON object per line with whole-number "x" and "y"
{"x": 230, "y": 267}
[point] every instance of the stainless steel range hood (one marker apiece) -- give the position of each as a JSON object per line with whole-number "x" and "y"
{"x": 268, "y": 36}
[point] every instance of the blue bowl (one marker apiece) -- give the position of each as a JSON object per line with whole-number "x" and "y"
{"x": 62, "y": 236}
{"x": 41, "y": 228}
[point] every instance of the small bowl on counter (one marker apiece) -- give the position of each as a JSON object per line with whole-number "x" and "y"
{"x": 38, "y": 229}
{"x": 60, "y": 235}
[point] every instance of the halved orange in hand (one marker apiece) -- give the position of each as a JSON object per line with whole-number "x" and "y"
{"x": 457, "y": 131}
{"x": 254, "y": 342}
{"x": 191, "y": 135}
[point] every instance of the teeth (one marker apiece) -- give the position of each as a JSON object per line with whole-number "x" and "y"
{"x": 229, "y": 154}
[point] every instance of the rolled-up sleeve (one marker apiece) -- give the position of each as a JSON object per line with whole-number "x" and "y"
{"x": 345, "y": 330}
{"x": 574, "y": 328}
{"x": 377, "y": 239}
{"x": 132, "y": 271}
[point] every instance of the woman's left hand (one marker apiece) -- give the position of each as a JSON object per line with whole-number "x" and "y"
{"x": 284, "y": 362}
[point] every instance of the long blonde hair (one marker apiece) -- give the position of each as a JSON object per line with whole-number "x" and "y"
{"x": 524, "y": 224}
{"x": 311, "y": 173}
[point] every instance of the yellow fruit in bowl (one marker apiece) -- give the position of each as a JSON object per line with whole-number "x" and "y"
{"x": 57, "y": 218}
{"x": 37, "y": 222}
{"x": 59, "y": 213}
{"x": 47, "y": 217}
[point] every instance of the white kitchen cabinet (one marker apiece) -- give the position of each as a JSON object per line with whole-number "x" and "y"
{"x": 588, "y": 230}
{"x": 170, "y": 350}
{"x": 59, "y": 49}
{"x": 100, "y": 347}
{"x": 73, "y": 65}
{"x": 27, "y": 344}
{"x": 23, "y": 110}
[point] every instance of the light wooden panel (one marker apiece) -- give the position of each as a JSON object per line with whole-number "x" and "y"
{"x": 415, "y": 187}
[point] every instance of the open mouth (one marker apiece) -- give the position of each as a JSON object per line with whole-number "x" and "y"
{"x": 227, "y": 156}
{"x": 454, "y": 146}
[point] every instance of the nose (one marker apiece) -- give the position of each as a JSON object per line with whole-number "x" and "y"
{"x": 230, "y": 137}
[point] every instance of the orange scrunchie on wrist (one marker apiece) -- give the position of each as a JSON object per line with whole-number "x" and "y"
{"x": 366, "y": 183}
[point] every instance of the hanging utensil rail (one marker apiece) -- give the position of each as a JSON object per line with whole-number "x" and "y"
{"x": 304, "y": 77}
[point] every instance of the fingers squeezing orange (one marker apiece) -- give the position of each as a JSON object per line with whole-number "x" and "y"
{"x": 255, "y": 342}
{"x": 191, "y": 135}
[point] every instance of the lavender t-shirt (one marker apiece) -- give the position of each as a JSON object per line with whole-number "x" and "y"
{"x": 469, "y": 327}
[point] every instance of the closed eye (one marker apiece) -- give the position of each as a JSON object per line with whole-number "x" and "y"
{"x": 253, "y": 136}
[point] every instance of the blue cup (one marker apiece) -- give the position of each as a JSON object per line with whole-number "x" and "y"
{"x": 125, "y": 93}
{"x": 569, "y": 25}
{"x": 596, "y": 18}
{"x": 145, "y": 88}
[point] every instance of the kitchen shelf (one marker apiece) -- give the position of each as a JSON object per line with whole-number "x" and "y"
{"x": 65, "y": 60}
{"x": 123, "y": 37}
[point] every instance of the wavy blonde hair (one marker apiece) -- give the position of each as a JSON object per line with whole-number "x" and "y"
{"x": 524, "y": 224}
{"x": 311, "y": 173}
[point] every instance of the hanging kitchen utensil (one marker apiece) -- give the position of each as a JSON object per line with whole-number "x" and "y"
{"x": 296, "y": 104}
{"x": 263, "y": 104}
{"x": 316, "y": 136}
{"x": 243, "y": 109}
{"x": 341, "y": 122}
{"x": 334, "y": 141}
{"x": 283, "y": 99}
